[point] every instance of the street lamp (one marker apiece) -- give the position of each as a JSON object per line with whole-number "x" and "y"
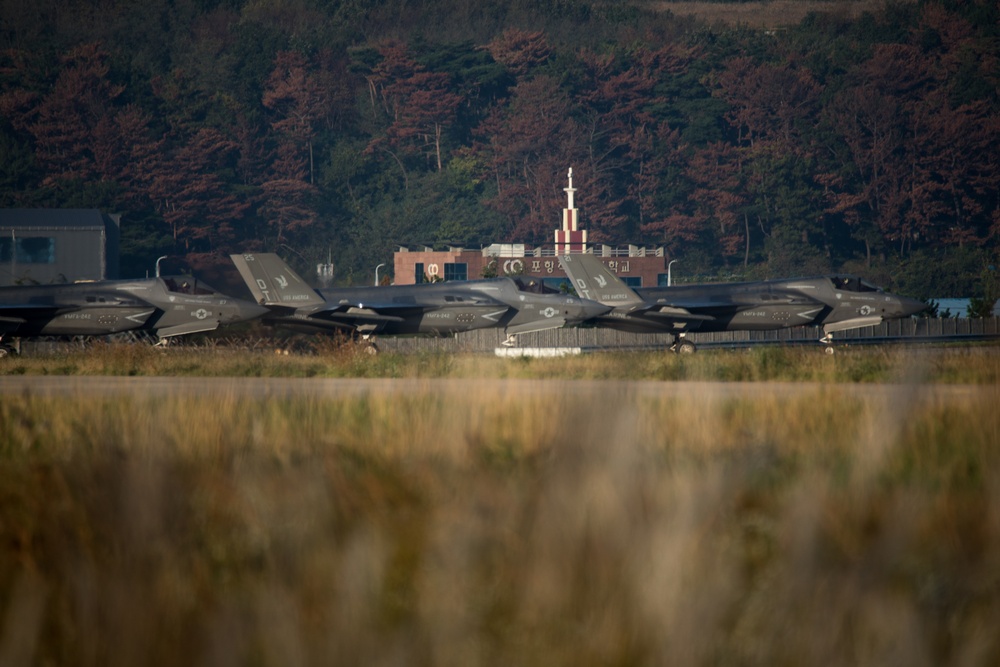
{"x": 669, "y": 264}
{"x": 376, "y": 273}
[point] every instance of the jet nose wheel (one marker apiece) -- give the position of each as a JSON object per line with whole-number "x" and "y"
{"x": 686, "y": 347}
{"x": 829, "y": 350}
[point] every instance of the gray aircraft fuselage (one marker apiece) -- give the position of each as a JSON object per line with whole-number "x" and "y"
{"x": 436, "y": 309}
{"x": 445, "y": 308}
{"x": 517, "y": 306}
{"x": 778, "y": 304}
{"x": 167, "y": 306}
{"x": 836, "y": 302}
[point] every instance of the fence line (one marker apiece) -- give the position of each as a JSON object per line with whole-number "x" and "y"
{"x": 916, "y": 329}
{"x": 594, "y": 338}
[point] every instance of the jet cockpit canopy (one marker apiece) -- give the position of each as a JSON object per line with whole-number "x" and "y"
{"x": 853, "y": 284}
{"x": 186, "y": 285}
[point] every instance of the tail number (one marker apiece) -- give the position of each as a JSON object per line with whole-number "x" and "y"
{"x": 264, "y": 290}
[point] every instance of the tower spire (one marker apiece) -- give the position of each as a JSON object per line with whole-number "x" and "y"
{"x": 570, "y": 238}
{"x": 569, "y": 192}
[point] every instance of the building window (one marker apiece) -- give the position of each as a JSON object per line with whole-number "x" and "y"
{"x": 632, "y": 281}
{"x": 418, "y": 273}
{"x": 661, "y": 280}
{"x": 456, "y": 271}
{"x": 30, "y": 250}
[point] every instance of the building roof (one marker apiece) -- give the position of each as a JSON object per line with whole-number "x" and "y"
{"x": 52, "y": 218}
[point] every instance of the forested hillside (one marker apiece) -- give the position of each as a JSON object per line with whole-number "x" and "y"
{"x": 868, "y": 143}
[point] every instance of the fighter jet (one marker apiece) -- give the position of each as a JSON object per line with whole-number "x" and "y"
{"x": 837, "y": 303}
{"x": 165, "y": 306}
{"x": 517, "y": 305}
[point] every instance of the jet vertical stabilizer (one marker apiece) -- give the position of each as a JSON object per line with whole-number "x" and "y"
{"x": 274, "y": 283}
{"x": 592, "y": 280}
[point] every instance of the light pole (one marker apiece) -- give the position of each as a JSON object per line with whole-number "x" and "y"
{"x": 669, "y": 264}
{"x": 376, "y": 273}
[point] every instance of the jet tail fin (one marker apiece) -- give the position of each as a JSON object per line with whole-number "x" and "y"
{"x": 593, "y": 280}
{"x": 274, "y": 283}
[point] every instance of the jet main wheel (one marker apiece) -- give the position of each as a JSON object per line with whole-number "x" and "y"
{"x": 829, "y": 350}
{"x": 3, "y": 352}
{"x": 371, "y": 349}
{"x": 686, "y": 347}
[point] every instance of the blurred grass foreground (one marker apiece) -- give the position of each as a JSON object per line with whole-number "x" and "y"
{"x": 573, "y": 524}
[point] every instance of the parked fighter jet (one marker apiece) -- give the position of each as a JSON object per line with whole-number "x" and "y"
{"x": 838, "y": 303}
{"x": 434, "y": 308}
{"x": 168, "y": 306}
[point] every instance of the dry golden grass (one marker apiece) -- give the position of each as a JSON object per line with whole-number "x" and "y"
{"x": 769, "y": 13}
{"x": 978, "y": 364}
{"x": 569, "y": 526}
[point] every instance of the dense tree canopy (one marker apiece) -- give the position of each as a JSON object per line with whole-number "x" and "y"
{"x": 350, "y": 127}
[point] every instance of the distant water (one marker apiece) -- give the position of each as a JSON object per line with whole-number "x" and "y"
{"x": 959, "y": 307}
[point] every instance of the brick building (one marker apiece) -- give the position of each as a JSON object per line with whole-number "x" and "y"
{"x": 637, "y": 266}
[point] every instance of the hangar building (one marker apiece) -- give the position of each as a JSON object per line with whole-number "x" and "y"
{"x": 43, "y": 246}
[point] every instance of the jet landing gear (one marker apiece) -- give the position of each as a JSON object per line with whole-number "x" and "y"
{"x": 368, "y": 346}
{"x": 683, "y": 346}
{"x": 827, "y": 341}
{"x": 10, "y": 349}
{"x": 510, "y": 341}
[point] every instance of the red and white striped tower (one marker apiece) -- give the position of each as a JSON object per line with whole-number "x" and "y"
{"x": 570, "y": 239}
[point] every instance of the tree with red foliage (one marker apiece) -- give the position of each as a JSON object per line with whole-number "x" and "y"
{"x": 520, "y": 51}
{"x": 187, "y": 191}
{"x": 419, "y": 104}
{"x": 663, "y": 171}
{"x": 615, "y": 94}
{"x": 719, "y": 198}
{"x": 287, "y": 194}
{"x": 73, "y": 123}
{"x": 768, "y": 102}
{"x": 298, "y": 101}
{"x": 529, "y": 143}
{"x": 949, "y": 190}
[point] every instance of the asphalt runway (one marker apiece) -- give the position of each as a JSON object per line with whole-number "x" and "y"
{"x": 264, "y": 388}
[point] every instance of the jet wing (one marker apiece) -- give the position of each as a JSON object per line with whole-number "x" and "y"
{"x": 10, "y": 324}
{"x": 536, "y": 325}
{"x": 854, "y": 323}
{"x": 188, "y": 328}
{"x": 675, "y": 313}
{"x": 353, "y": 314}
{"x": 721, "y": 306}
{"x": 13, "y": 315}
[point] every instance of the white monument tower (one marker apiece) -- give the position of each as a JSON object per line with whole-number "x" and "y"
{"x": 570, "y": 239}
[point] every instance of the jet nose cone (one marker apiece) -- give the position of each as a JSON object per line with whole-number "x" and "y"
{"x": 592, "y": 309}
{"x": 910, "y": 307}
{"x": 244, "y": 311}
